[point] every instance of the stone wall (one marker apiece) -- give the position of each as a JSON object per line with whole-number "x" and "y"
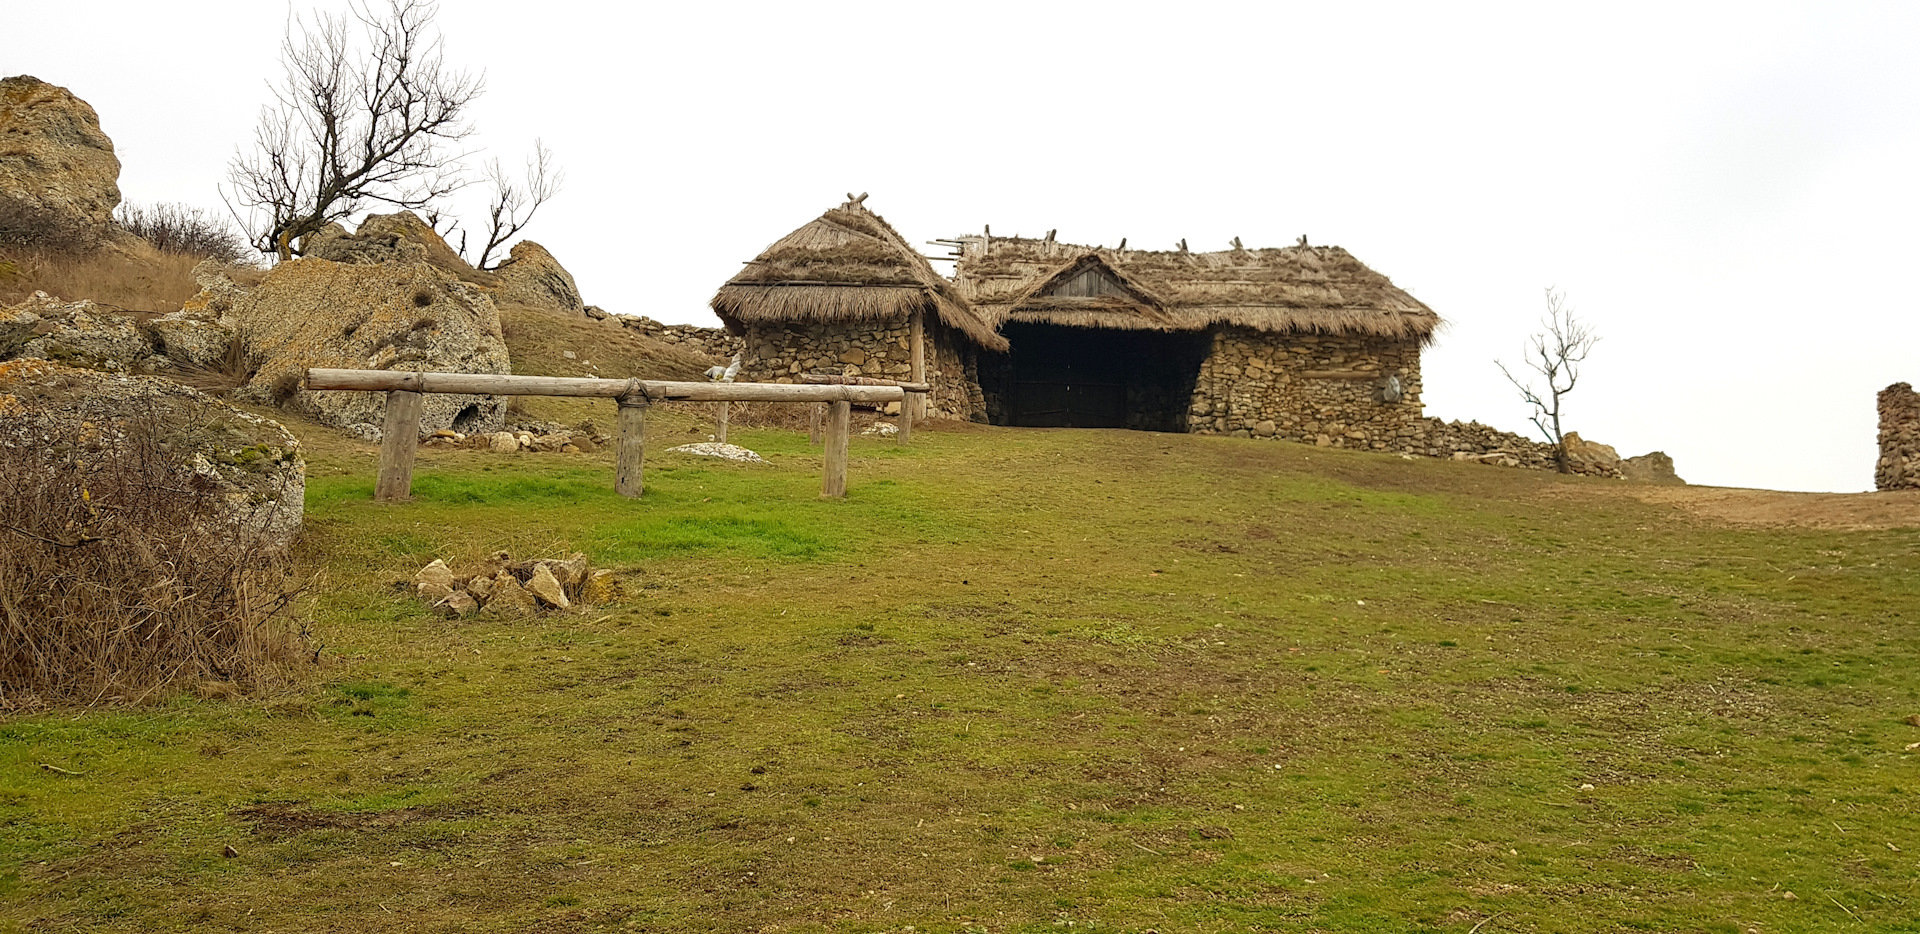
{"x": 714, "y": 342}
{"x": 778, "y": 353}
{"x": 1899, "y": 464}
{"x": 1316, "y": 389}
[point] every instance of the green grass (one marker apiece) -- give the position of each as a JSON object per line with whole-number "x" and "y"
{"x": 1025, "y": 681}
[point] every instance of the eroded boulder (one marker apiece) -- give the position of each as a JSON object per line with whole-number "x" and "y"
{"x": 532, "y": 277}
{"x": 385, "y": 316}
{"x": 93, "y": 421}
{"x": 56, "y": 165}
{"x": 82, "y": 334}
{"x": 401, "y": 238}
{"x": 1652, "y": 467}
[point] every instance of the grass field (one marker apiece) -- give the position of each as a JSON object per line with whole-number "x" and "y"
{"x": 1025, "y": 680}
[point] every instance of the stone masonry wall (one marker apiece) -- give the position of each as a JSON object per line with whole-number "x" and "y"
{"x": 714, "y": 342}
{"x": 1266, "y": 385}
{"x": 779, "y": 353}
{"x": 1899, "y": 464}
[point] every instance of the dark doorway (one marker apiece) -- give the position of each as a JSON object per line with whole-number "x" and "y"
{"x": 1068, "y": 377}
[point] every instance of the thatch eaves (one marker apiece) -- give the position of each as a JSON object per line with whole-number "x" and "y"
{"x": 1316, "y": 289}
{"x": 847, "y": 265}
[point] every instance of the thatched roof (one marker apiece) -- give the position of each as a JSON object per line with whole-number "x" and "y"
{"x": 848, "y": 265}
{"x": 1317, "y": 289}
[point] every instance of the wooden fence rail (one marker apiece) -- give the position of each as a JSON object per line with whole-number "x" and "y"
{"x": 401, "y": 434}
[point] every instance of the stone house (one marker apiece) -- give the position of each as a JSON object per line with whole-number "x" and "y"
{"x": 1303, "y": 343}
{"x": 846, "y": 295}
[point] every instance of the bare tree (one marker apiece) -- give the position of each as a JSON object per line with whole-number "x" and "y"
{"x": 353, "y": 126}
{"x": 1555, "y": 354}
{"x": 514, "y": 203}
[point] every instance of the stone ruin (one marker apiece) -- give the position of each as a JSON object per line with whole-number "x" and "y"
{"x": 1899, "y": 464}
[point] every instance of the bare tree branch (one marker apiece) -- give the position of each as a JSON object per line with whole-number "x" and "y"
{"x": 513, "y": 206}
{"x": 1555, "y": 354}
{"x": 353, "y": 126}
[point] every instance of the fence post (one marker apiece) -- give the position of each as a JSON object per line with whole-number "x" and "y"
{"x": 720, "y": 434}
{"x": 813, "y": 424}
{"x": 399, "y": 439}
{"x": 905, "y": 422}
{"x": 917, "y": 367}
{"x": 632, "y": 450}
{"x": 839, "y": 426}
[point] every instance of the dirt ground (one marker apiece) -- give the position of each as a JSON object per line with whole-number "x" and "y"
{"x": 1762, "y": 508}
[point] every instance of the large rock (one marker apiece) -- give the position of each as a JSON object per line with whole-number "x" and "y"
{"x": 401, "y": 238}
{"x": 55, "y": 162}
{"x": 82, "y": 334}
{"x": 388, "y": 316}
{"x": 1652, "y": 467}
{"x": 532, "y": 277}
{"x": 1591, "y": 457}
{"x": 251, "y": 463}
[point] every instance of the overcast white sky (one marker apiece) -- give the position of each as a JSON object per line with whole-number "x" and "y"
{"x": 1727, "y": 191}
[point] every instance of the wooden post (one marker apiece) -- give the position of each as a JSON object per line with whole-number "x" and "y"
{"x": 399, "y": 440}
{"x": 632, "y": 451}
{"x": 917, "y": 341}
{"x": 721, "y": 434}
{"x": 906, "y": 419}
{"x": 839, "y": 426}
{"x": 813, "y": 424}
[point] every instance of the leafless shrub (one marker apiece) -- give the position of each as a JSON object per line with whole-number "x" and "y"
{"x": 235, "y": 368}
{"x": 181, "y": 228}
{"x": 26, "y": 224}
{"x": 116, "y": 585}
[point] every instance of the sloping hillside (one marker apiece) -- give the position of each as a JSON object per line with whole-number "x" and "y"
{"x": 1021, "y": 679}
{"x": 539, "y": 342}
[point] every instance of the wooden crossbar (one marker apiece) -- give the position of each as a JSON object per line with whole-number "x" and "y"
{"x": 404, "y": 390}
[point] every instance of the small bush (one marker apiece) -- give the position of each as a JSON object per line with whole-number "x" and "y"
{"x": 120, "y": 580}
{"x": 184, "y": 229}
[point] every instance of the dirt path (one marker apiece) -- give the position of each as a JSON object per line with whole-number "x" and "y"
{"x": 1736, "y": 506}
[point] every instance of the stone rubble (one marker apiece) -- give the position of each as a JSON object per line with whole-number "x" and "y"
{"x": 729, "y": 452}
{"x": 508, "y": 589}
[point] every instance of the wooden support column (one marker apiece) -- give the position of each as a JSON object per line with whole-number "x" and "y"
{"x": 906, "y": 418}
{"x": 632, "y": 450}
{"x": 720, "y": 434}
{"x": 399, "y": 440}
{"x": 813, "y": 423}
{"x": 917, "y": 341}
{"x": 839, "y": 426}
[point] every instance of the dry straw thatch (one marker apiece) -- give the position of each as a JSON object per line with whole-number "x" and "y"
{"x": 1316, "y": 289}
{"x": 847, "y": 265}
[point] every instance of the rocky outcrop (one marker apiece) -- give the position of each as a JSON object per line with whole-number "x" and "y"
{"x": 1652, "y": 467}
{"x": 386, "y": 316}
{"x": 532, "y": 277}
{"x": 95, "y": 420}
{"x": 1899, "y": 465}
{"x": 401, "y": 238}
{"x": 81, "y": 334}
{"x": 56, "y": 166}
{"x": 1591, "y": 458}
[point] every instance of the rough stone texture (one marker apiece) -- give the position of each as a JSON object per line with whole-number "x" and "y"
{"x": 401, "y": 238}
{"x": 190, "y": 339}
{"x": 532, "y": 277}
{"x": 81, "y": 334}
{"x": 547, "y": 588}
{"x": 1899, "y": 464}
{"x": 1592, "y": 458}
{"x": 253, "y": 461}
{"x": 314, "y": 312}
{"x": 436, "y": 574}
{"x": 54, "y": 157}
{"x": 1652, "y": 467}
{"x": 779, "y": 353}
{"x": 458, "y": 604}
{"x": 1267, "y": 384}
{"x": 714, "y": 342}
{"x": 508, "y": 599}
{"x": 600, "y": 587}
{"x": 721, "y": 450}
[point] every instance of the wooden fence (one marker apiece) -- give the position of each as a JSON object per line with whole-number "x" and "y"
{"x": 400, "y": 436}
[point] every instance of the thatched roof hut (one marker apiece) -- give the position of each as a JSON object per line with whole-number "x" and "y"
{"x": 1309, "y": 289}
{"x": 847, "y": 265}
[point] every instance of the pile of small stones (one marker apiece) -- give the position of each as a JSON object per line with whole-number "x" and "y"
{"x": 505, "y": 588}
{"x": 529, "y": 436}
